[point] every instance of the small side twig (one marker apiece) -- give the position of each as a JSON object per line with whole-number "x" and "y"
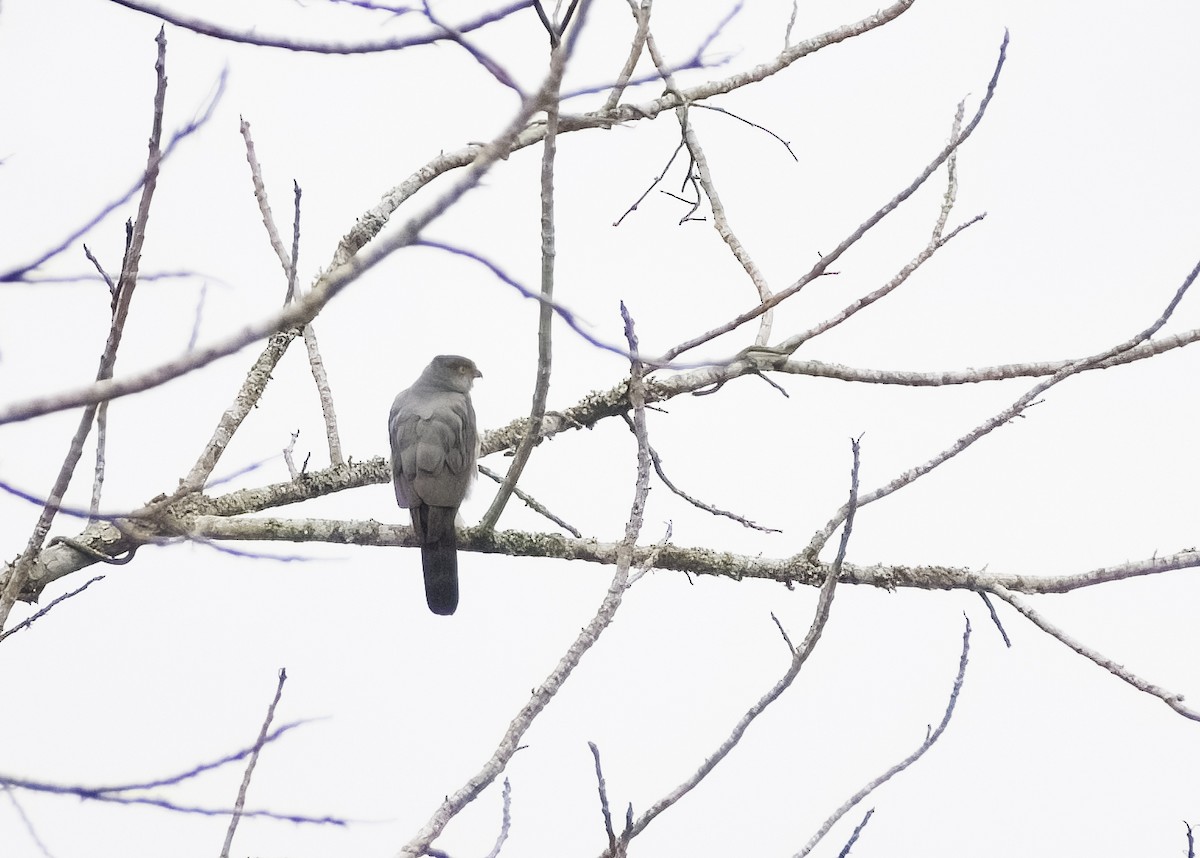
{"x": 604, "y": 809}
{"x": 288, "y": 457}
{"x": 995, "y": 618}
{"x": 858, "y": 829}
{"x": 653, "y": 184}
{"x": 505, "y": 819}
{"x": 1171, "y": 698}
{"x": 30, "y": 620}
{"x": 656, "y": 460}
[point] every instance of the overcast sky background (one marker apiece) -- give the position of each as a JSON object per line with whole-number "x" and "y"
{"x": 1086, "y": 167}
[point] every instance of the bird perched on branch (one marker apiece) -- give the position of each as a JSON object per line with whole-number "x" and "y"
{"x": 434, "y": 448}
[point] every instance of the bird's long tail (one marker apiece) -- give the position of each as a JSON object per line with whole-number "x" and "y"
{"x": 439, "y": 560}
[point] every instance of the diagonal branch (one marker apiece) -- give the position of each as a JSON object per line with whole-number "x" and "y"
{"x": 1073, "y": 368}
{"x": 1171, "y": 698}
{"x": 120, "y": 312}
{"x": 890, "y": 206}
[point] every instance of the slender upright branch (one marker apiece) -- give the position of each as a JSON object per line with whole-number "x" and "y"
{"x": 541, "y": 388}
{"x": 124, "y": 294}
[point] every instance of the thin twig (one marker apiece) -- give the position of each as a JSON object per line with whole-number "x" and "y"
{"x": 887, "y": 208}
{"x": 125, "y": 288}
{"x": 531, "y": 502}
{"x": 604, "y": 809}
{"x": 25, "y": 821}
{"x": 764, "y": 130}
{"x": 641, "y": 14}
{"x": 102, "y": 793}
{"x": 231, "y": 418}
{"x": 480, "y": 56}
{"x": 325, "y": 393}
{"x": 854, "y": 835}
{"x": 1171, "y": 698}
{"x": 678, "y": 148}
{"x": 787, "y": 34}
{"x": 288, "y": 456}
{"x": 1003, "y": 417}
{"x": 696, "y": 502}
{"x": 264, "y": 205}
{"x": 930, "y": 739}
{"x": 30, "y": 620}
{"x": 202, "y": 116}
{"x": 799, "y": 656}
{"x": 995, "y": 618}
{"x": 505, "y": 819}
{"x": 240, "y": 804}
{"x": 721, "y": 219}
{"x": 294, "y": 259}
{"x": 197, "y": 317}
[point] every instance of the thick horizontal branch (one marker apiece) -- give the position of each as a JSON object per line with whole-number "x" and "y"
{"x": 695, "y": 560}
{"x": 197, "y": 517}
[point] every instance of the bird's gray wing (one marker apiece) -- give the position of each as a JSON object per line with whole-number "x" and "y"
{"x": 434, "y": 446}
{"x": 434, "y": 443}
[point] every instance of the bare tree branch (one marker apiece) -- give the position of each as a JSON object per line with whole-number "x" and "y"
{"x": 531, "y": 502}
{"x": 891, "y": 205}
{"x": 910, "y": 476}
{"x": 930, "y": 739}
{"x": 293, "y": 43}
{"x": 541, "y": 389}
{"x": 799, "y": 656}
{"x": 19, "y": 273}
{"x": 1171, "y": 698}
{"x": 120, "y": 311}
{"x": 348, "y": 263}
{"x": 240, "y": 804}
{"x": 29, "y": 621}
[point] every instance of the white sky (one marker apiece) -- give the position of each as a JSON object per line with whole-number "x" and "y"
{"x": 1086, "y": 167}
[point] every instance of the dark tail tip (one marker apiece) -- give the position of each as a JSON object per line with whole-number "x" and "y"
{"x": 440, "y": 564}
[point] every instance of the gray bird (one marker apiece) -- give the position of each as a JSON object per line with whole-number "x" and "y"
{"x": 434, "y": 448}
